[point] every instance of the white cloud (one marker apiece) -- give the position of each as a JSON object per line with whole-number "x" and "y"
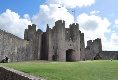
{"x": 72, "y": 3}
{"x": 114, "y": 39}
{"x": 112, "y": 44}
{"x": 92, "y": 23}
{"x": 11, "y": 22}
{"x": 26, "y": 16}
{"x": 94, "y": 12}
{"x": 51, "y": 13}
{"x": 116, "y": 23}
{"x": 93, "y": 27}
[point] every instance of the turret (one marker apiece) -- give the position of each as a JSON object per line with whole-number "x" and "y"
{"x": 30, "y": 35}
{"x": 74, "y": 31}
{"x": 82, "y": 46}
{"x": 60, "y": 40}
{"x": 26, "y": 34}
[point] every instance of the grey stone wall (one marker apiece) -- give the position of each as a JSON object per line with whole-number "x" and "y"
{"x": 49, "y": 45}
{"x": 60, "y": 39}
{"x": 38, "y": 44}
{"x": 35, "y": 41}
{"x": 93, "y": 48}
{"x": 13, "y": 47}
{"x": 82, "y": 46}
{"x": 107, "y": 55}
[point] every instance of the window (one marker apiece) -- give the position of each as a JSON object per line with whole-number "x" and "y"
{"x": 70, "y": 44}
{"x": 53, "y": 47}
{"x": 80, "y": 49}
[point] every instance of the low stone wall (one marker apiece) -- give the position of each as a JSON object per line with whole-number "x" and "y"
{"x": 11, "y": 74}
{"x": 107, "y": 55}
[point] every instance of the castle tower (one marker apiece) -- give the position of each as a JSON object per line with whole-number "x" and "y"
{"x": 82, "y": 46}
{"x": 97, "y": 46}
{"x": 58, "y": 43}
{"x": 38, "y": 45}
{"x": 49, "y": 48}
{"x": 89, "y": 50}
{"x": 60, "y": 40}
{"x": 93, "y": 48}
{"x": 75, "y": 41}
{"x": 30, "y": 35}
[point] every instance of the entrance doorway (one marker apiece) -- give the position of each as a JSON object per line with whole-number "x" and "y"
{"x": 70, "y": 55}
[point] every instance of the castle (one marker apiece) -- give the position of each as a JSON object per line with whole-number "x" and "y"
{"x": 56, "y": 44}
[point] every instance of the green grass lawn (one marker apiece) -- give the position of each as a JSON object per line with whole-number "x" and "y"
{"x": 88, "y": 70}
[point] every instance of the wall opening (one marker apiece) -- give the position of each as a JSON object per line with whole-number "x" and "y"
{"x": 70, "y": 55}
{"x": 54, "y": 57}
{"x": 117, "y": 57}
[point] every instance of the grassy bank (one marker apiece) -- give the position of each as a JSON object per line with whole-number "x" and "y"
{"x": 88, "y": 70}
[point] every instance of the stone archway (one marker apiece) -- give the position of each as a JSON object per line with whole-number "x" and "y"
{"x": 70, "y": 55}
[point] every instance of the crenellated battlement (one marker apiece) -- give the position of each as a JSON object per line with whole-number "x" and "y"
{"x": 32, "y": 27}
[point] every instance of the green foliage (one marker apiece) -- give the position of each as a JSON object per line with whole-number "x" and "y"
{"x": 88, "y": 70}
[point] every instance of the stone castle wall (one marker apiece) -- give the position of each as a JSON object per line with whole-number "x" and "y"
{"x": 35, "y": 41}
{"x": 12, "y": 46}
{"x": 94, "y": 51}
{"x": 107, "y": 55}
{"x": 93, "y": 48}
{"x": 56, "y": 44}
{"x": 60, "y": 39}
{"x": 82, "y": 46}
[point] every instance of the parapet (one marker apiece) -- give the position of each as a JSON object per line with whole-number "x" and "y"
{"x": 32, "y": 27}
{"x": 39, "y": 31}
{"x": 82, "y": 35}
{"x": 97, "y": 40}
{"x": 60, "y": 22}
{"x": 74, "y": 26}
{"x": 89, "y": 43}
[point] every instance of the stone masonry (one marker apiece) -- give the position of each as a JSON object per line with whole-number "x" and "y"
{"x": 93, "y": 48}
{"x": 93, "y": 51}
{"x": 56, "y": 44}
{"x": 7, "y": 73}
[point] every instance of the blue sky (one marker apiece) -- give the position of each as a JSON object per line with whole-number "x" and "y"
{"x": 97, "y": 18}
{"x": 21, "y": 6}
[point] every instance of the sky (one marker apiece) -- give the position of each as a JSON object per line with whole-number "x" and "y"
{"x": 96, "y": 18}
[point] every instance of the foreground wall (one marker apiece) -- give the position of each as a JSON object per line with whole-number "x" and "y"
{"x": 14, "y": 47}
{"x": 11, "y": 74}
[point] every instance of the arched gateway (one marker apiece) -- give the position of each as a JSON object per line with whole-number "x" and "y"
{"x": 70, "y": 55}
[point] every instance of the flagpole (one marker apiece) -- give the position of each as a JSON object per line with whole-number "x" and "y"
{"x": 60, "y": 12}
{"x": 74, "y": 15}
